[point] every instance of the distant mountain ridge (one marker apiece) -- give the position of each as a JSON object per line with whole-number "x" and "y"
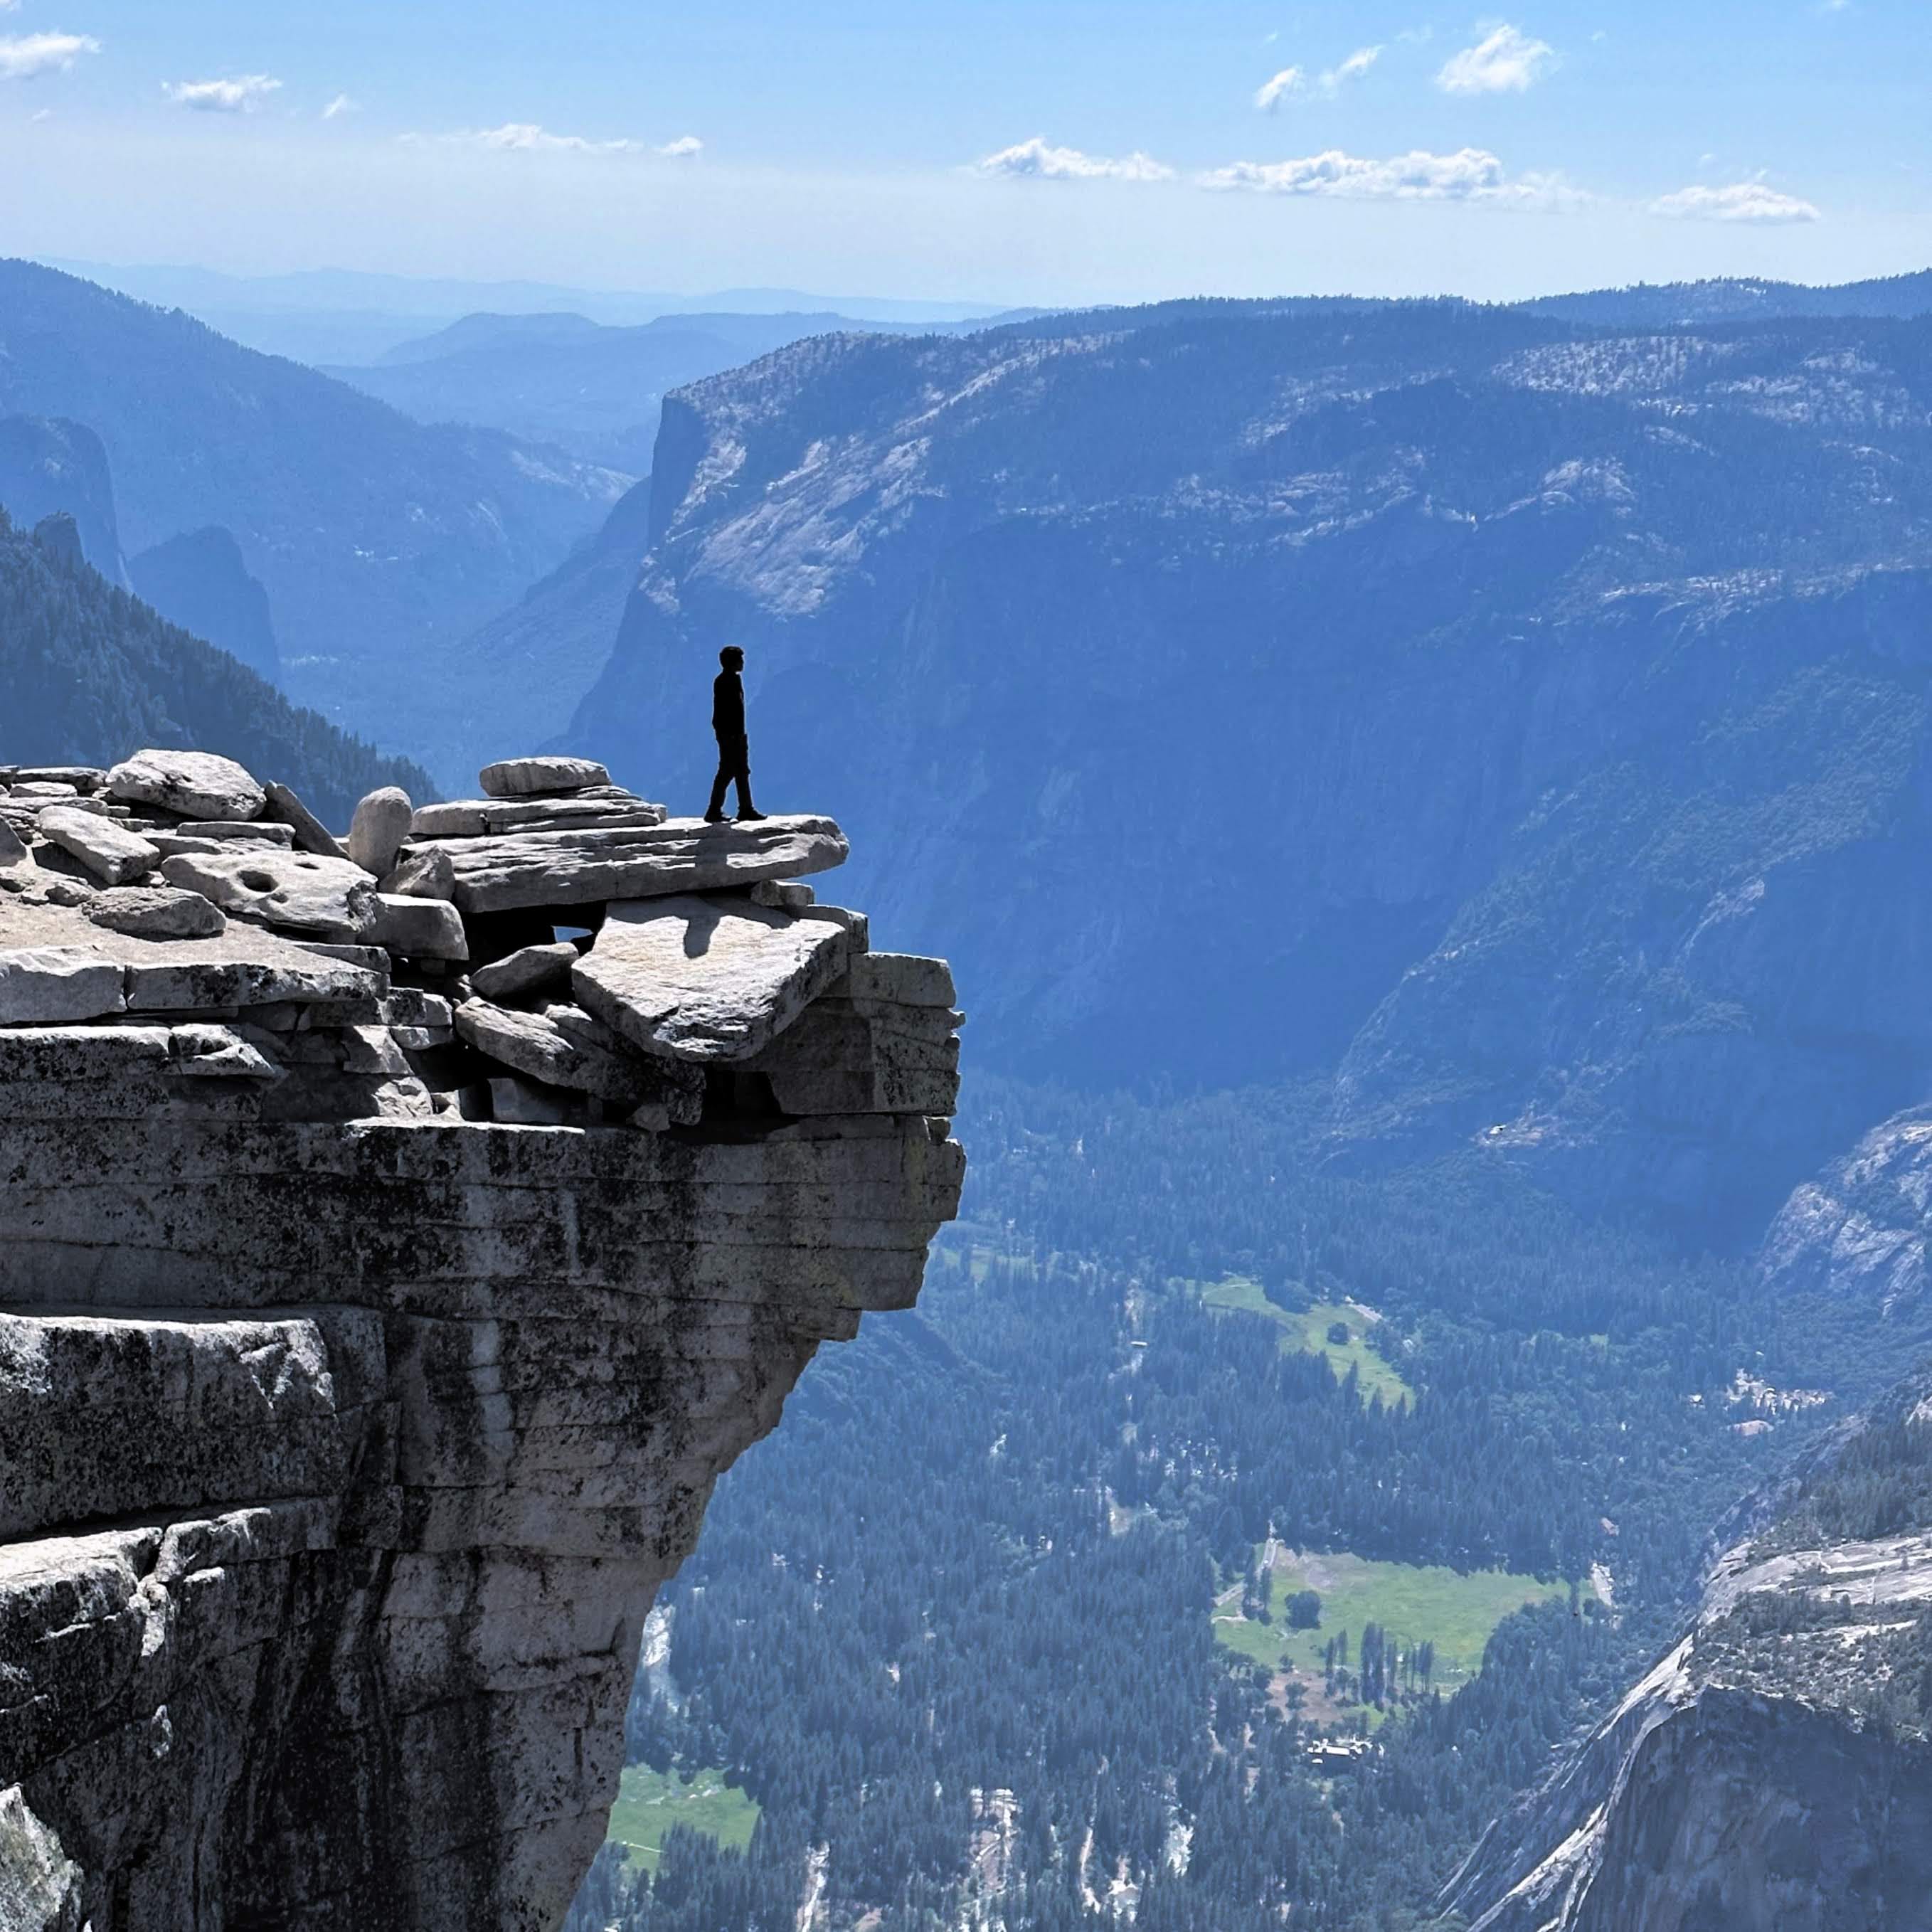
{"x": 1672, "y": 305}
{"x": 586, "y": 387}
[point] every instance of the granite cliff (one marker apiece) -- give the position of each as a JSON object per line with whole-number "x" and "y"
{"x": 1774, "y": 1769}
{"x": 1567, "y": 685}
{"x": 403, "y": 1232}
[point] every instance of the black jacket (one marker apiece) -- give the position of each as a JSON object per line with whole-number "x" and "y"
{"x": 727, "y": 706}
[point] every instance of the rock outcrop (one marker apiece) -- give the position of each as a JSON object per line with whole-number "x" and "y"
{"x": 348, "y": 1424}
{"x": 1773, "y": 1772}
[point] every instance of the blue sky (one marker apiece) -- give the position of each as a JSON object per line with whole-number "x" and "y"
{"x": 1051, "y": 151}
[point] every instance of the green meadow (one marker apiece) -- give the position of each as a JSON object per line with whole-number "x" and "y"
{"x": 650, "y": 1802}
{"x": 1309, "y": 1331}
{"x": 1414, "y": 1603}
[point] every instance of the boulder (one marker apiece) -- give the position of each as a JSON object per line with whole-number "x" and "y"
{"x": 330, "y": 898}
{"x": 191, "y": 785}
{"x": 545, "y": 1047}
{"x": 516, "y": 778}
{"x": 48, "y": 985}
{"x": 111, "y": 852}
{"x": 530, "y": 969}
{"x": 156, "y": 912}
{"x": 311, "y": 835}
{"x": 524, "y": 869}
{"x": 45, "y": 788}
{"x": 422, "y": 875}
{"x": 418, "y": 929}
{"x": 13, "y": 848}
{"x": 706, "y": 980}
{"x": 381, "y": 824}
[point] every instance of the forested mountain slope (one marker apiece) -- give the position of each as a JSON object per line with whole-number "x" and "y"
{"x": 1667, "y": 304}
{"x": 91, "y": 673}
{"x": 381, "y": 543}
{"x": 1528, "y": 720}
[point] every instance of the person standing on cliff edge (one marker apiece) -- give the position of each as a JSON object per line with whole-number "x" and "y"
{"x": 734, "y": 751}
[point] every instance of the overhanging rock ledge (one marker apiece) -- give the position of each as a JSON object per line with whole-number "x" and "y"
{"x": 369, "y": 1348}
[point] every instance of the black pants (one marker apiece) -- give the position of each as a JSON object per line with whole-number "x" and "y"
{"x": 734, "y": 766}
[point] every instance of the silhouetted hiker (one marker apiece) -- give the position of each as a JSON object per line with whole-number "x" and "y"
{"x": 734, "y": 749}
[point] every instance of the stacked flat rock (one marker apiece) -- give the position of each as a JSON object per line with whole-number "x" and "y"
{"x": 625, "y": 968}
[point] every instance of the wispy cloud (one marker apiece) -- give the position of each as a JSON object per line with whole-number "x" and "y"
{"x": 22, "y": 56}
{"x": 1741, "y": 201}
{"x": 339, "y": 106}
{"x": 1292, "y": 82}
{"x": 1506, "y": 61}
{"x": 683, "y": 149}
{"x": 1037, "y": 160}
{"x": 1469, "y": 174}
{"x": 1357, "y": 64}
{"x": 526, "y": 137}
{"x": 242, "y": 95}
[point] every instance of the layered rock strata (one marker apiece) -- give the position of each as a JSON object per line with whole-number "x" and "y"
{"x": 348, "y": 1426}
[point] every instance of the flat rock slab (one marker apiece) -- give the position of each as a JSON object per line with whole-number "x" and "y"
{"x": 192, "y": 785}
{"x": 311, "y": 834}
{"x": 525, "y": 869}
{"x": 47, "y": 986}
{"x": 564, "y": 1048}
{"x": 156, "y": 912}
{"x": 246, "y": 966}
{"x": 331, "y": 897}
{"x": 486, "y": 817}
{"x": 703, "y": 980}
{"x": 112, "y": 852}
{"x": 515, "y": 777}
{"x": 256, "y": 831}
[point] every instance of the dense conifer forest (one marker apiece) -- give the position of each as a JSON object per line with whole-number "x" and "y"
{"x": 952, "y": 1627}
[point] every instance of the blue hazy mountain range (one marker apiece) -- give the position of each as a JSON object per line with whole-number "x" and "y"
{"x": 352, "y": 316}
{"x": 381, "y": 542}
{"x": 587, "y": 387}
{"x": 1522, "y": 725}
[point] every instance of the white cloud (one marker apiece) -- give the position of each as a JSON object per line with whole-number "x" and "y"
{"x": 1506, "y": 61}
{"x": 683, "y": 147}
{"x": 339, "y": 106}
{"x": 242, "y": 95}
{"x": 1470, "y": 174}
{"x": 1292, "y": 81}
{"x": 1741, "y": 201}
{"x": 1271, "y": 94}
{"x": 1036, "y": 159}
{"x": 24, "y": 56}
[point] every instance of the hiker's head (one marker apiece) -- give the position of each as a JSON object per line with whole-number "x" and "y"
{"x": 731, "y": 657}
